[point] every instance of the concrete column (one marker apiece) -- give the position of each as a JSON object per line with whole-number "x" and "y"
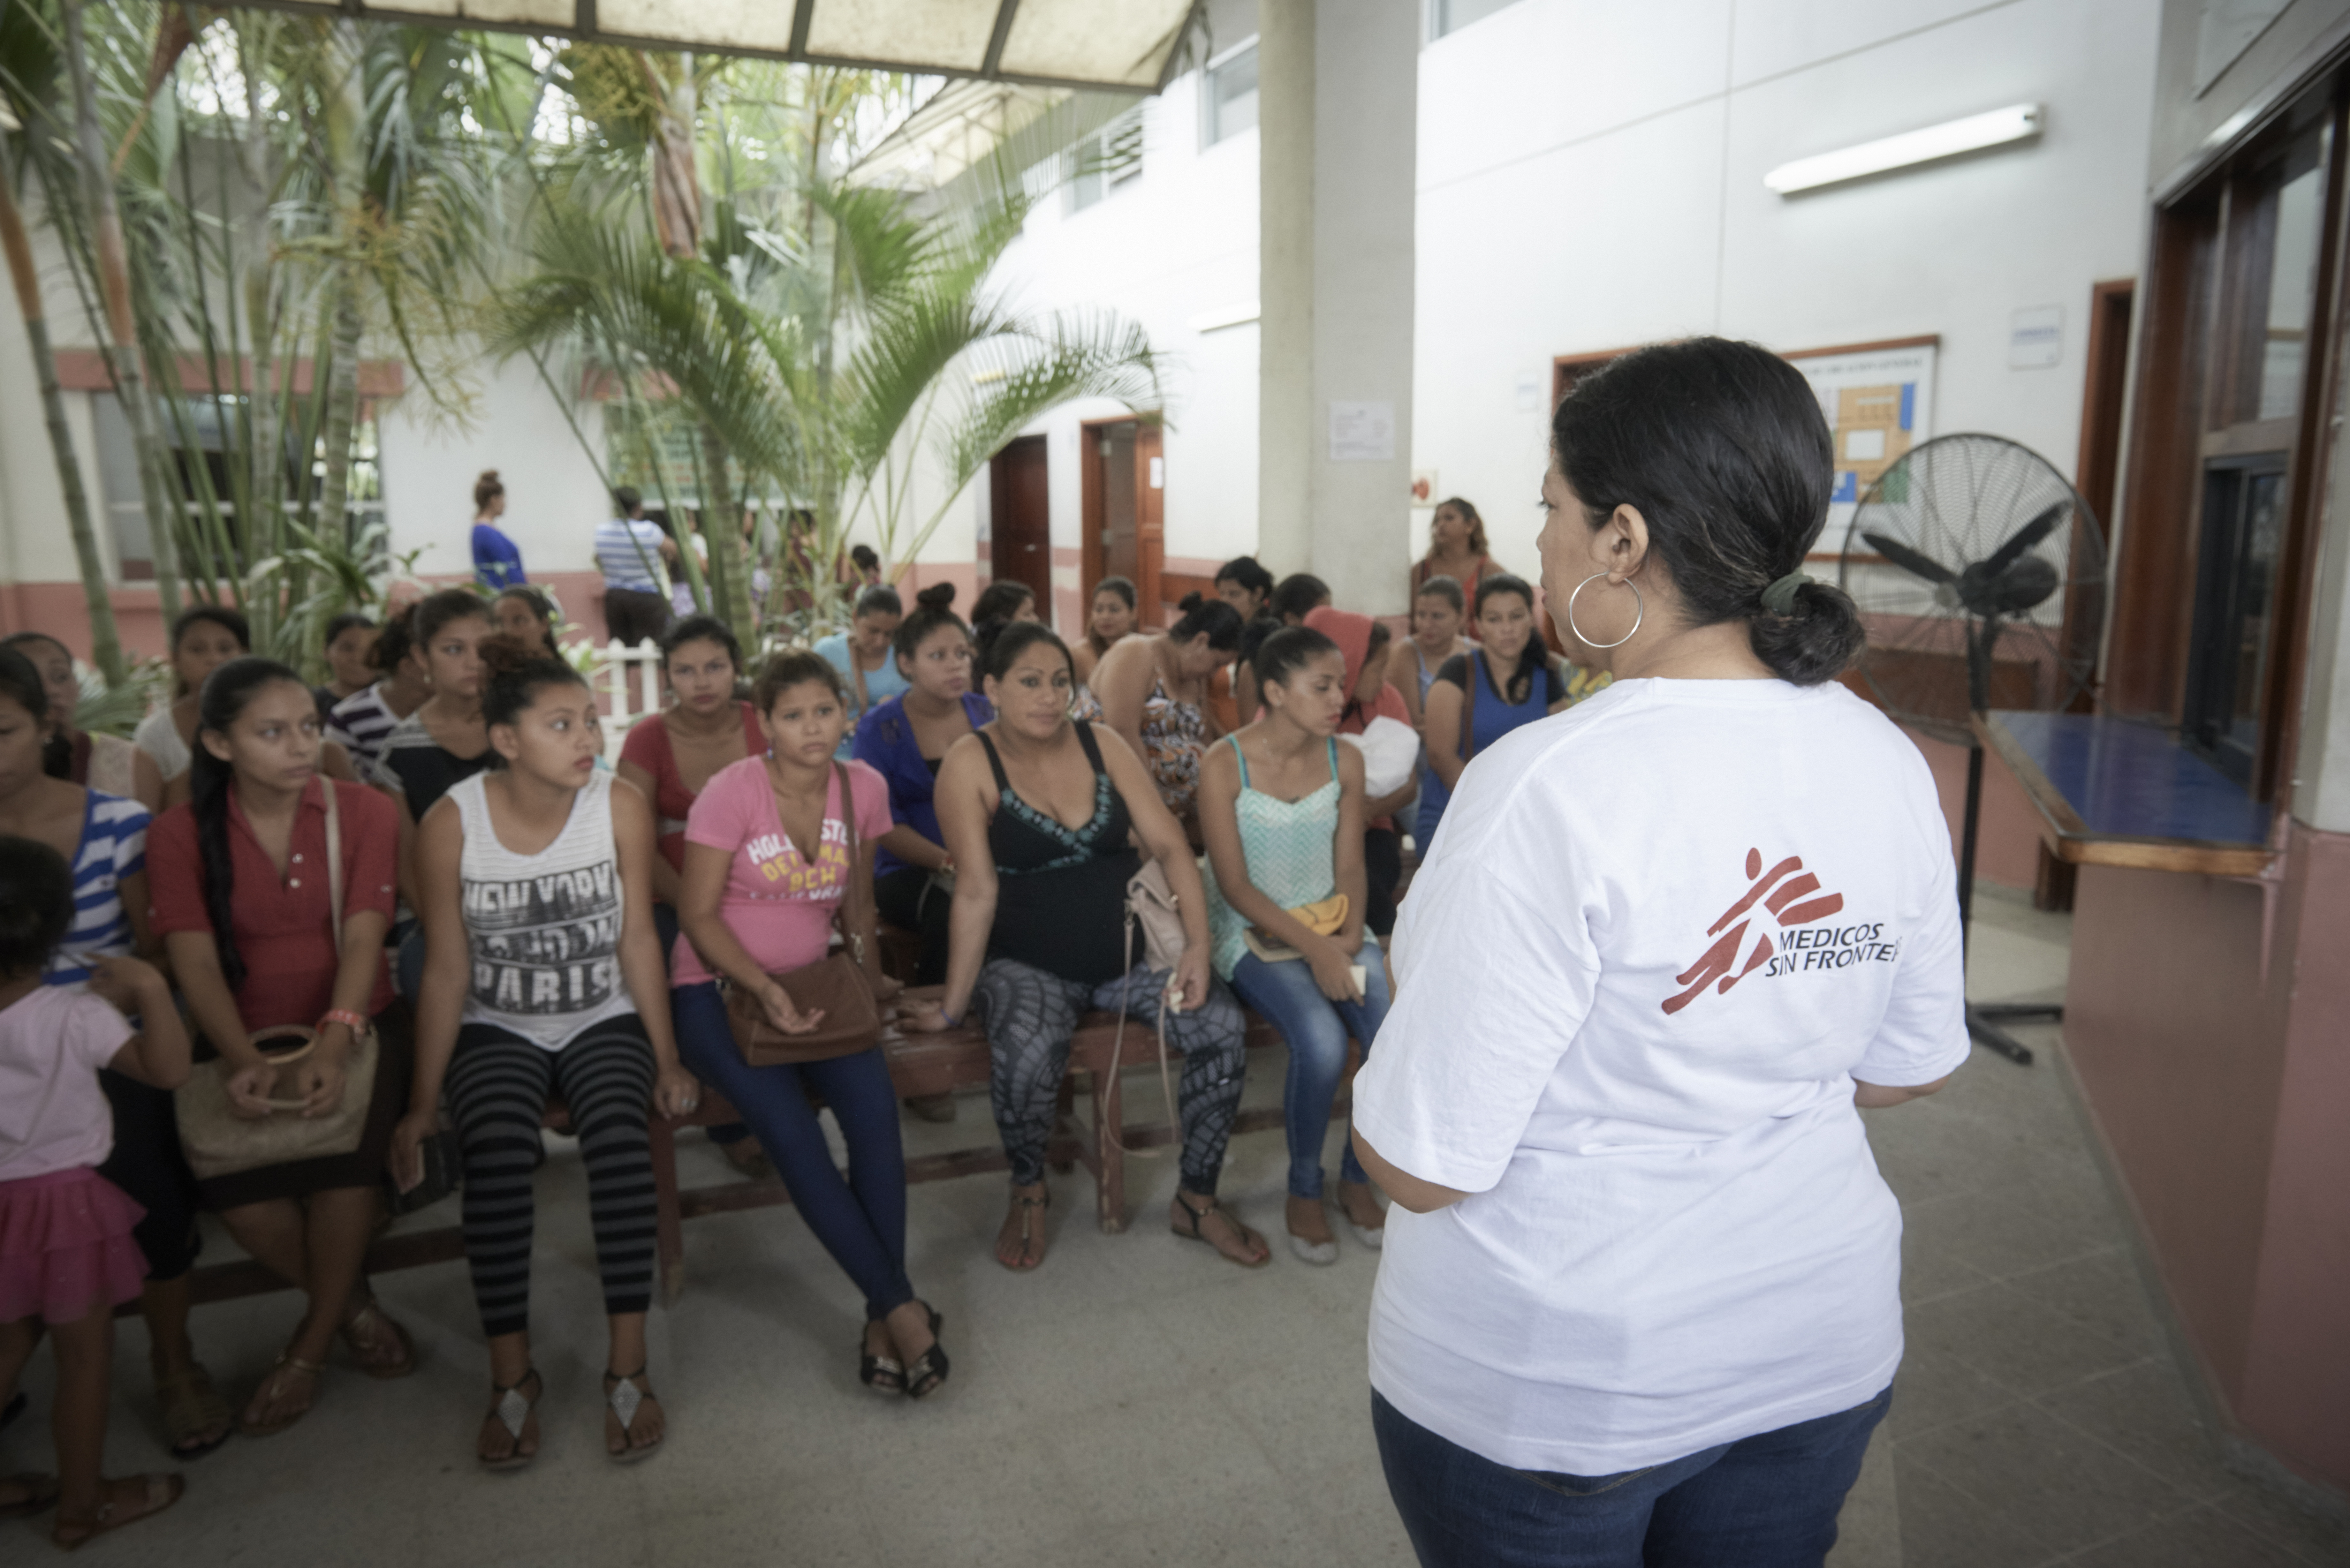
{"x": 1337, "y": 127}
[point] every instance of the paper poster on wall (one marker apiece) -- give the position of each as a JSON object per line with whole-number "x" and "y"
{"x": 1362, "y": 433}
{"x": 1879, "y": 399}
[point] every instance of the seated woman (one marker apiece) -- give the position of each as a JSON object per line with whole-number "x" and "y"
{"x": 1038, "y": 807}
{"x": 1438, "y": 611}
{"x": 1296, "y": 595}
{"x": 244, "y": 899}
{"x": 1508, "y": 682}
{"x": 1114, "y": 615}
{"x": 108, "y": 764}
{"x": 1005, "y": 600}
{"x": 102, "y": 839}
{"x": 905, "y": 738}
{"x": 527, "y": 615}
{"x": 1364, "y": 643}
{"x": 349, "y": 639}
{"x": 544, "y": 976}
{"x": 204, "y": 638}
{"x": 359, "y": 722}
{"x": 1153, "y": 693}
{"x": 1282, "y": 803}
{"x": 766, "y": 868}
{"x": 863, "y": 655}
{"x": 669, "y": 756}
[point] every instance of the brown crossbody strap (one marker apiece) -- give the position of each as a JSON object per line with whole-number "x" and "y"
{"x": 855, "y": 911}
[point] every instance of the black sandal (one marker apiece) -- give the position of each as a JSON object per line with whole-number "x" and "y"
{"x": 882, "y": 1373}
{"x": 514, "y": 1410}
{"x": 624, "y": 1397}
{"x": 1214, "y": 1208}
{"x": 1029, "y": 1208}
{"x": 929, "y": 1371}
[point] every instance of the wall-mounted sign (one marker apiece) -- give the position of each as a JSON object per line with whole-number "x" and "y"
{"x": 1879, "y": 402}
{"x": 1362, "y": 433}
{"x": 2036, "y": 337}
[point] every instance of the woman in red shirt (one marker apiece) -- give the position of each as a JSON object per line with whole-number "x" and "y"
{"x": 242, "y": 892}
{"x": 669, "y": 756}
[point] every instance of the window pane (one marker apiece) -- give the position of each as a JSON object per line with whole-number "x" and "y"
{"x": 2293, "y": 276}
{"x": 118, "y": 490}
{"x": 1231, "y": 97}
{"x": 2254, "y": 609}
{"x": 1451, "y": 16}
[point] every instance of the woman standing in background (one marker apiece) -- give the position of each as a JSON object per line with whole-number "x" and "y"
{"x": 497, "y": 564}
{"x": 1456, "y": 548}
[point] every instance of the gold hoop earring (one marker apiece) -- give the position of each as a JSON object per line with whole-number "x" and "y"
{"x": 1639, "y": 612}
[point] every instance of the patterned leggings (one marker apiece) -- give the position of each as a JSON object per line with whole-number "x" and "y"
{"x": 497, "y": 1089}
{"x": 1030, "y": 1016}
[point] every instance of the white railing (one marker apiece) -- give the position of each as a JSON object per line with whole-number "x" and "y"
{"x": 615, "y": 666}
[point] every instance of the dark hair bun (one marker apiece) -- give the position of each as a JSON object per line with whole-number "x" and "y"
{"x": 502, "y": 654}
{"x": 1189, "y": 602}
{"x": 938, "y": 596}
{"x": 489, "y": 476}
{"x": 1815, "y": 641}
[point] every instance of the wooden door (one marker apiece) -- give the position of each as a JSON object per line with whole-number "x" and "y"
{"x": 1150, "y": 514}
{"x": 1123, "y": 490}
{"x": 1021, "y": 518}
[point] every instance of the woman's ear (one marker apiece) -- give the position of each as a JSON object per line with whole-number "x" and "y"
{"x": 506, "y": 742}
{"x": 214, "y": 741}
{"x": 1620, "y": 545}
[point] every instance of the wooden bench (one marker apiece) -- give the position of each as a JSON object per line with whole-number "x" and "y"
{"x": 919, "y": 1065}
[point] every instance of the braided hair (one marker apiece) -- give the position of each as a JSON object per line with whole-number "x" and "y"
{"x": 227, "y": 692}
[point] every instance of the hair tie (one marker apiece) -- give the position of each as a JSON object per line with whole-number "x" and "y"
{"x": 1779, "y": 598}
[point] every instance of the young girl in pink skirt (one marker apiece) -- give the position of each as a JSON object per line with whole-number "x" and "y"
{"x": 67, "y": 1257}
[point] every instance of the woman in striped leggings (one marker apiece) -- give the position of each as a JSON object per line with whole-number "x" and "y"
{"x": 542, "y": 974}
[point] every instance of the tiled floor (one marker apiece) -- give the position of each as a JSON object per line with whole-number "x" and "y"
{"x": 1138, "y": 1401}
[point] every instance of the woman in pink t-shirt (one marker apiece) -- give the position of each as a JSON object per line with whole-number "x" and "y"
{"x": 766, "y": 867}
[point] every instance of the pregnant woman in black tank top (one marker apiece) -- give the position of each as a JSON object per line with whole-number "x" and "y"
{"x": 1041, "y": 813}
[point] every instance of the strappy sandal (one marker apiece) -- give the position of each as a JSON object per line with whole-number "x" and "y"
{"x": 366, "y": 1331}
{"x": 1029, "y": 1208}
{"x": 623, "y": 1397}
{"x": 192, "y": 1406}
{"x": 929, "y": 1371}
{"x": 40, "y": 1495}
{"x": 513, "y": 1409}
{"x": 273, "y": 1389}
{"x": 1214, "y": 1206}
{"x": 882, "y": 1373}
{"x": 72, "y": 1534}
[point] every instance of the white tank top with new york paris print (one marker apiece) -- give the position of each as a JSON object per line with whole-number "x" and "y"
{"x": 544, "y": 929}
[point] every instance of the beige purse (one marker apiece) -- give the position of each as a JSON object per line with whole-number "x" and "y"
{"x": 1152, "y": 906}
{"x": 219, "y": 1142}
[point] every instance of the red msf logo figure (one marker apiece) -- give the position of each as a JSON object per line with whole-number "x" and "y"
{"x": 1785, "y": 891}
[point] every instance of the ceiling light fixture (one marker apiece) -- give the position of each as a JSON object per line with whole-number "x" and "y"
{"x": 2017, "y": 122}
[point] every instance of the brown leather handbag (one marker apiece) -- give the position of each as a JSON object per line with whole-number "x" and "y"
{"x": 842, "y": 986}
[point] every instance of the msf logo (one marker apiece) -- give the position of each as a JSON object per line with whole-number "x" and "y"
{"x": 1787, "y": 892}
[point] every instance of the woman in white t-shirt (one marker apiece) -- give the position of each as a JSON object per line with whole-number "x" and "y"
{"x": 1640, "y": 1298}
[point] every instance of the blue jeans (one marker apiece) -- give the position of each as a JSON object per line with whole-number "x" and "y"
{"x": 1316, "y": 1029}
{"x": 862, "y": 1220}
{"x": 1764, "y": 1501}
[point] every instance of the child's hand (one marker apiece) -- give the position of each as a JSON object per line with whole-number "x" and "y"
{"x": 128, "y": 983}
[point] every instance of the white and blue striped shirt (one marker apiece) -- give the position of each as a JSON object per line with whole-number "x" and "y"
{"x": 628, "y": 552}
{"x": 113, "y": 846}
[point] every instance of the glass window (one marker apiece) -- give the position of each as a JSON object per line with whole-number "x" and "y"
{"x": 2235, "y": 611}
{"x": 1105, "y": 160}
{"x": 1232, "y": 96}
{"x": 1446, "y": 17}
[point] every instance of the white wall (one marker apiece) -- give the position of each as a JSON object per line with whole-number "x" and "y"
{"x": 554, "y": 498}
{"x": 1591, "y": 177}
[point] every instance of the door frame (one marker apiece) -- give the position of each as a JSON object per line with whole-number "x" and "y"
{"x": 1149, "y": 510}
{"x": 995, "y": 529}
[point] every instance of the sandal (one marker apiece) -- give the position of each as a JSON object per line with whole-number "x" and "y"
{"x": 929, "y": 1371}
{"x": 191, "y": 1407}
{"x": 1029, "y": 1208}
{"x": 74, "y": 1533}
{"x": 623, "y": 1397}
{"x": 367, "y": 1331}
{"x": 1198, "y": 1215}
{"x": 273, "y": 1389}
{"x": 882, "y": 1373}
{"x": 40, "y": 1495}
{"x": 513, "y": 1410}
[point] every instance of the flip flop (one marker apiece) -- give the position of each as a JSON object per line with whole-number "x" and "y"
{"x": 275, "y": 1386}
{"x": 162, "y": 1491}
{"x": 40, "y": 1494}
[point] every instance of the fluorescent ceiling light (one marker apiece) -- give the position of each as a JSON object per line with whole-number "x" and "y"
{"x": 2017, "y": 122}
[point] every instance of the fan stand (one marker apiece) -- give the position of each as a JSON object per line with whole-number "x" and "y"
{"x": 1983, "y": 1019}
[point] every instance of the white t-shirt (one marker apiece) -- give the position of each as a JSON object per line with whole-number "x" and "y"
{"x": 1656, "y": 939}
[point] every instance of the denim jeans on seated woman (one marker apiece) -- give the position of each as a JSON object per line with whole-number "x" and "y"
{"x": 1316, "y": 1029}
{"x": 1766, "y": 1502}
{"x": 861, "y": 1220}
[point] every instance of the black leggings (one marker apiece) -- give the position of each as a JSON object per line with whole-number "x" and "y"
{"x": 497, "y": 1088}
{"x": 1382, "y": 870}
{"x": 905, "y": 898}
{"x": 148, "y": 1165}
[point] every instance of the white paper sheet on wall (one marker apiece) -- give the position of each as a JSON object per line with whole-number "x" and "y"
{"x": 1362, "y": 433}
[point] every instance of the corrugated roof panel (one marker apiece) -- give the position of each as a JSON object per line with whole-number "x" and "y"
{"x": 1085, "y": 40}
{"x": 920, "y": 35}
{"x": 763, "y": 24}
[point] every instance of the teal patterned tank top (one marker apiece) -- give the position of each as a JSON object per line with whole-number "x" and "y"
{"x": 1291, "y": 851}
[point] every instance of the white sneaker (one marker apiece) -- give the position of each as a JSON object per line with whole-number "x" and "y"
{"x": 1321, "y": 1255}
